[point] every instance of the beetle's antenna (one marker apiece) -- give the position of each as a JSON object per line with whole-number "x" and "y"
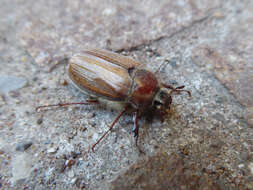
{"x": 69, "y": 103}
{"x": 178, "y": 89}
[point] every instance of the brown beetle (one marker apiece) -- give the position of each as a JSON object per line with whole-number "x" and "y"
{"x": 107, "y": 76}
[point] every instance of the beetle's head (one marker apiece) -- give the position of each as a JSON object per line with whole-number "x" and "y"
{"x": 163, "y": 99}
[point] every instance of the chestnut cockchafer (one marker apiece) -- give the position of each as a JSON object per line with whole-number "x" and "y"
{"x": 124, "y": 83}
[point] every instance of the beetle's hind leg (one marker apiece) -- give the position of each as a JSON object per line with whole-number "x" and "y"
{"x": 87, "y": 102}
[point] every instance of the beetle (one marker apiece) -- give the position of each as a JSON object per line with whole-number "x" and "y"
{"x": 110, "y": 77}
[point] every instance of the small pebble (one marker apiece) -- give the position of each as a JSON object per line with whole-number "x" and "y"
{"x": 241, "y": 166}
{"x": 51, "y": 150}
{"x": 39, "y": 121}
{"x": 73, "y": 181}
{"x": 70, "y": 163}
{"x": 64, "y": 83}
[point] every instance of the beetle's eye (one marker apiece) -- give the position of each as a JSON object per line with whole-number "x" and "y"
{"x": 157, "y": 104}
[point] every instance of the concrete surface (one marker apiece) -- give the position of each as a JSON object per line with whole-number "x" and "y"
{"x": 205, "y": 45}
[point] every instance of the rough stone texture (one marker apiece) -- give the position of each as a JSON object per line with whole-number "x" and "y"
{"x": 230, "y": 57}
{"x": 164, "y": 172}
{"x": 205, "y": 46}
{"x": 66, "y": 26}
{"x": 231, "y": 70}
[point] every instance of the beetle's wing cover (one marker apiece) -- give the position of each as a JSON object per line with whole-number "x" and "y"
{"x": 115, "y": 58}
{"x": 98, "y": 74}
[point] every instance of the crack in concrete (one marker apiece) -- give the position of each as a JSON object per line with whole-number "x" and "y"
{"x": 181, "y": 30}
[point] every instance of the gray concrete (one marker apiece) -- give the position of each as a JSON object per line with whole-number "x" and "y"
{"x": 207, "y": 46}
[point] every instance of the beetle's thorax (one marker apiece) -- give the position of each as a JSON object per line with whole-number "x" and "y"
{"x": 143, "y": 89}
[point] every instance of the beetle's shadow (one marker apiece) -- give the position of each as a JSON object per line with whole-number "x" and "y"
{"x": 152, "y": 117}
{"x": 153, "y": 114}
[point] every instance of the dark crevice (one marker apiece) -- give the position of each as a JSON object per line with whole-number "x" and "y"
{"x": 182, "y": 29}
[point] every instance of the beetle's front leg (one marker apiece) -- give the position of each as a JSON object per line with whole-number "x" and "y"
{"x": 136, "y": 129}
{"x": 136, "y": 126}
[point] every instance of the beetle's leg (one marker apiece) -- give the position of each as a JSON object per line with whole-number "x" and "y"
{"x": 64, "y": 60}
{"x": 109, "y": 130}
{"x": 136, "y": 129}
{"x": 88, "y": 102}
{"x": 163, "y": 114}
